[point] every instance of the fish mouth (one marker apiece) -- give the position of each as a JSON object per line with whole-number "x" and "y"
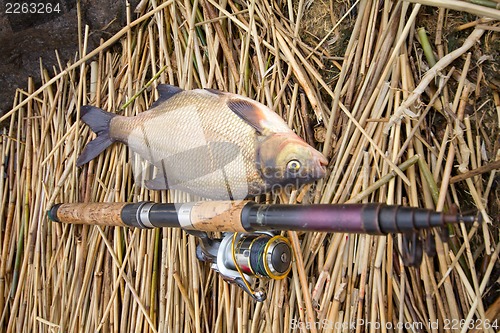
{"x": 321, "y": 163}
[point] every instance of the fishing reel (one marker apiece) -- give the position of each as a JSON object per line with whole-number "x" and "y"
{"x": 241, "y": 257}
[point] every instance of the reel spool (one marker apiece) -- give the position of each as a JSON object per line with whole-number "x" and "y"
{"x": 261, "y": 255}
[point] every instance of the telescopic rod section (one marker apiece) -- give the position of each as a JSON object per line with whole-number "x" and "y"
{"x": 248, "y": 216}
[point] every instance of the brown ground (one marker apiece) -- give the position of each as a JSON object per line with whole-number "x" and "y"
{"x": 25, "y": 38}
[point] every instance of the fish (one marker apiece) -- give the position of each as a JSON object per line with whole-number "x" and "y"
{"x": 207, "y": 142}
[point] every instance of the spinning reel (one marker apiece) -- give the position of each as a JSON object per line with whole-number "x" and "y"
{"x": 241, "y": 257}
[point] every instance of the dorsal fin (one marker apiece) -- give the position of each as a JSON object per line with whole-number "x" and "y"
{"x": 165, "y": 91}
{"x": 215, "y": 91}
{"x": 249, "y": 112}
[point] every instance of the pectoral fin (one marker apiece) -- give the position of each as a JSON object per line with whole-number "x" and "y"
{"x": 249, "y": 112}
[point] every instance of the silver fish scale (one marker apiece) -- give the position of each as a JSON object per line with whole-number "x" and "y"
{"x": 203, "y": 147}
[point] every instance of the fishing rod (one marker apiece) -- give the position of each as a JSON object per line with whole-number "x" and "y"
{"x": 250, "y": 246}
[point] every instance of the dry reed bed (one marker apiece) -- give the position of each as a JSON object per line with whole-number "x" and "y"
{"x": 56, "y": 278}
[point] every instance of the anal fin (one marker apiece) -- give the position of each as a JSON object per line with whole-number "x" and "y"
{"x": 159, "y": 183}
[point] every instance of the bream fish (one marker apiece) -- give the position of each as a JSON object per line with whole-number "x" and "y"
{"x": 210, "y": 143}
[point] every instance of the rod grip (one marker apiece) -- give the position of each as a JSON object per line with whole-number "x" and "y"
{"x": 217, "y": 216}
{"x": 104, "y": 214}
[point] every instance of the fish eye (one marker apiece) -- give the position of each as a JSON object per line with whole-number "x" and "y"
{"x": 293, "y": 166}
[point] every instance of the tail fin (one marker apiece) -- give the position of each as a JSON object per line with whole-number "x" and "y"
{"x": 98, "y": 120}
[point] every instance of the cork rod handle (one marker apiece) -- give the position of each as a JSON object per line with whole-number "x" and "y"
{"x": 104, "y": 214}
